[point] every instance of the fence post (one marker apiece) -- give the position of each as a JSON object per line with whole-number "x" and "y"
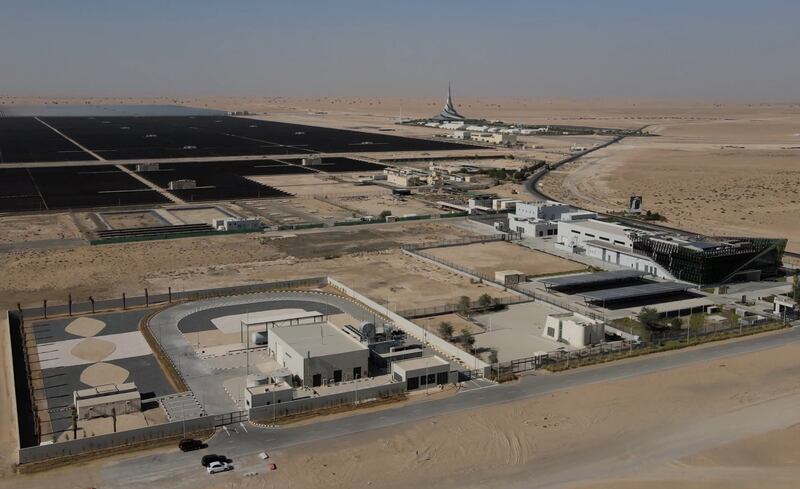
{"x": 123, "y": 302}
{"x": 91, "y": 299}
{"x": 69, "y": 303}
{"x": 169, "y": 295}
{"x": 146, "y": 298}
{"x": 44, "y": 307}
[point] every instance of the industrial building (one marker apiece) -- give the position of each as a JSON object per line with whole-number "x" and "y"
{"x": 540, "y": 219}
{"x": 574, "y": 329}
{"x": 422, "y": 372}
{"x": 318, "y": 353}
{"x": 691, "y": 258}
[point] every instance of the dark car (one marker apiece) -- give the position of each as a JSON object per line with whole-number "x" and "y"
{"x": 189, "y": 444}
{"x": 207, "y": 459}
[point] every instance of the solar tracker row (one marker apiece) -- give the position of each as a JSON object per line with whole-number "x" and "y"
{"x": 116, "y": 138}
{"x": 25, "y": 140}
{"x": 72, "y": 187}
{"x": 220, "y": 180}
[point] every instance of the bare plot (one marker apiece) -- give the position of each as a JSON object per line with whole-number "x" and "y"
{"x": 487, "y": 258}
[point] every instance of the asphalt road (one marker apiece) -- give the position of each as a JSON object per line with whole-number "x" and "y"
{"x": 243, "y": 442}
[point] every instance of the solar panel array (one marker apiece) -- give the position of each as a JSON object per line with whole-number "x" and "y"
{"x": 634, "y": 291}
{"x": 593, "y": 278}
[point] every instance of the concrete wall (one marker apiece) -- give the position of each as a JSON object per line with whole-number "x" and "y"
{"x": 113, "y": 440}
{"x": 446, "y": 348}
{"x": 267, "y": 413}
{"x": 345, "y": 362}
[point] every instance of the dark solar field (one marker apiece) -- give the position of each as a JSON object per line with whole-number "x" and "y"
{"x": 221, "y": 180}
{"x": 25, "y": 140}
{"x": 33, "y": 189}
{"x": 117, "y": 138}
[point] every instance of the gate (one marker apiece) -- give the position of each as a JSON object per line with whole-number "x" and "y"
{"x": 233, "y": 417}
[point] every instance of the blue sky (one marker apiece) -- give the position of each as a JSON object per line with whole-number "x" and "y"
{"x": 580, "y": 49}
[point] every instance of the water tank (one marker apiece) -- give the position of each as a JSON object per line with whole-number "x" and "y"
{"x": 254, "y": 380}
{"x": 258, "y": 338}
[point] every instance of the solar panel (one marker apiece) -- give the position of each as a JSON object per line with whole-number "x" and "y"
{"x": 593, "y": 278}
{"x": 634, "y": 291}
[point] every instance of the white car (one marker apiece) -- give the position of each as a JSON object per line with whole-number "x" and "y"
{"x": 215, "y": 467}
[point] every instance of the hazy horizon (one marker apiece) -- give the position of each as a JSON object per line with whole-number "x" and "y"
{"x": 681, "y": 50}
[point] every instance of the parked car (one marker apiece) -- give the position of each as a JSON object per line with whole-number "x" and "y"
{"x": 212, "y": 457}
{"x": 190, "y": 444}
{"x": 215, "y": 467}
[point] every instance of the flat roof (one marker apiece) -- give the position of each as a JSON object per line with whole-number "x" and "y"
{"x": 634, "y": 291}
{"x": 602, "y": 226}
{"x": 593, "y": 278}
{"x": 678, "y": 305}
{"x": 420, "y": 363}
{"x": 316, "y": 339}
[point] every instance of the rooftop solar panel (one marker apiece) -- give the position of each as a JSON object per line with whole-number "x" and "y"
{"x": 593, "y": 278}
{"x": 634, "y": 291}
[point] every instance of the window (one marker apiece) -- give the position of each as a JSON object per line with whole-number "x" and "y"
{"x": 575, "y": 231}
{"x": 356, "y": 372}
{"x": 316, "y": 380}
{"x": 604, "y": 238}
{"x": 398, "y": 377}
{"x": 551, "y": 332}
{"x": 337, "y": 375}
{"x": 431, "y": 378}
{"x": 441, "y": 378}
{"x": 412, "y": 383}
{"x": 589, "y": 235}
{"x": 541, "y": 233}
{"x": 423, "y": 380}
{"x": 616, "y": 241}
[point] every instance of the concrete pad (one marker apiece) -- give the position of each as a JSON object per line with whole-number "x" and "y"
{"x": 104, "y": 373}
{"x": 233, "y": 323}
{"x": 85, "y": 327}
{"x": 59, "y": 353}
{"x": 93, "y": 349}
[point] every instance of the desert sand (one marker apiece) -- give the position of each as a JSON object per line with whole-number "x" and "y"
{"x": 487, "y": 258}
{"x": 731, "y": 178}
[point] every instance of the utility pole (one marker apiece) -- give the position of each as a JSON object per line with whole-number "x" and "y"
{"x": 69, "y": 304}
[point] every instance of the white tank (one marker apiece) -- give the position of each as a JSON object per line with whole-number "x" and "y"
{"x": 254, "y": 380}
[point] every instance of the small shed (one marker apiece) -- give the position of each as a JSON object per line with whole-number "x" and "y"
{"x": 510, "y": 277}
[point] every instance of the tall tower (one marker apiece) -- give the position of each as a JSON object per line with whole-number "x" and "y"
{"x": 449, "y": 113}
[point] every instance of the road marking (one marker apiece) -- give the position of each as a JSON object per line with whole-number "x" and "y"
{"x": 225, "y": 429}
{"x": 243, "y": 427}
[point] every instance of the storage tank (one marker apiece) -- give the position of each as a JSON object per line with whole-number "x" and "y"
{"x": 254, "y": 380}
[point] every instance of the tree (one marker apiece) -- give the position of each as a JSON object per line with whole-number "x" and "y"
{"x": 493, "y": 356}
{"x": 467, "y": 340}
{"x": 485, "y": 301}
{"x": 648, "y": 316}
{"x": 697, "y": 322}
{"x": 446, "y": 330}
{"x": 464, "y": 305}
{"x": 676, "y": 323}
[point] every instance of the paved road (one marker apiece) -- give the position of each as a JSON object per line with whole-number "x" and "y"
{"x": 247, "y": 440}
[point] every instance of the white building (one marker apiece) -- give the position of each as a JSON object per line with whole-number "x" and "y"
{"x": 423, "y": 372}
{"x": 465, "y": 135}
{"x": 317, "y": 353}
{"x": 237, "y": 224}
{"x": 608, "y": 242}
{"x": 510, "y": 277}
{"x": 495, "y": 138}
{"x": 573, "y": 329}
{"x": 540, "y": 219}
{"x": 452, "y": 125}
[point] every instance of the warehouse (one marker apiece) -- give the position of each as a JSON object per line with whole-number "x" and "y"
{"x": 318, "y": 353}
